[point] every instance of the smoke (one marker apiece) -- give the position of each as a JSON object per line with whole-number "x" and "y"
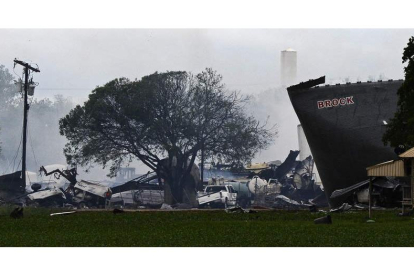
{"x": 274, "y": 106}
{"x": 44, "y": 143}
{"x": 248, "y": 60}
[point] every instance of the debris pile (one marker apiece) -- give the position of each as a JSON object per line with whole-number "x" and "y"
{"x": 324, "y": 220}
{"x": 386, "y": 192}
{"x": 287, "y": 185}
{"x": 144, "y": 190}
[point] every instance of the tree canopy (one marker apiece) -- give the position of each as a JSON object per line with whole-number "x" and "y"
{"x": 164, "y": 116}
{"x": 400, "y": 130}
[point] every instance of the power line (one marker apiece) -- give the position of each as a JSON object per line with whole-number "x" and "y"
{"x": 31, "y": 145}
{"x": 17, "y": 152}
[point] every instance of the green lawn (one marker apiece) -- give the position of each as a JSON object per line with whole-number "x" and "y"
{"x": 203, "y": 228}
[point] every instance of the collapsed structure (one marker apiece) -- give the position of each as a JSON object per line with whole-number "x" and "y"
{"x": 288, "y": 184}
{"x": 344, "y": 125}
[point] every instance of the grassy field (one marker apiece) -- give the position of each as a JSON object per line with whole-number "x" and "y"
{"x": 203, "y": 228}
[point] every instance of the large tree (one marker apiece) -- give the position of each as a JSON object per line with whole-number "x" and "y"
{"x": 164, "y": 120}
{"x": 400, "y": 130}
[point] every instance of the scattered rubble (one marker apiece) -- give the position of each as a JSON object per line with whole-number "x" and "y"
{"x": 166, "y": 206}
{"x": 277, "y": 185}
{"x": 90, "y": 194}
{"x": 323, "y": 220}
{"x": 47, "y": 197}
{"x": 287, "y": 185}
{"x": 387, "y": 192}
{"x": 239, "y": 210}
{"x": 140, "y": 191}
{"x": 343, "y": 208}
{"x": 62, "y": 213}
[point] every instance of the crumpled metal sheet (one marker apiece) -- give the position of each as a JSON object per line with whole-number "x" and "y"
{"x": 287, "y": 165}
{"x": 344, "y": 207}
{"x": 282, "y": 201}
{"x": 387, "y": 183}
{"x": 93, "y": 188}
{"x": 45, "y": 194}
{"x": 139, "y": 183}
{"x": 287, "y": 200}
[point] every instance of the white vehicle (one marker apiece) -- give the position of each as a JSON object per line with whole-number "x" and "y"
{"x": 88, "y": 194}
{"x": 48, "y": 197}
{"x": 217, "y": 195}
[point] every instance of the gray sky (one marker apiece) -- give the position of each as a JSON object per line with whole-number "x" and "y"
{"x": 74, "y": 61}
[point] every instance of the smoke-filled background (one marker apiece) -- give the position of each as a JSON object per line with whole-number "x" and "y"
{"x": 74, "y": 62}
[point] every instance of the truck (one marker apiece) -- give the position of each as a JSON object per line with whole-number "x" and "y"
{"x": 49, "y": 197}
{"x": 90, "y": 194}
{"x": 217, "y": 195}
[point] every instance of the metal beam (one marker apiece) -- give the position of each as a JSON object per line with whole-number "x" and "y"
{"x": 27, "y": 65}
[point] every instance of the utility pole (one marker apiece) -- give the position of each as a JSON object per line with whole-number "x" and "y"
{"x": 27, "y": 67}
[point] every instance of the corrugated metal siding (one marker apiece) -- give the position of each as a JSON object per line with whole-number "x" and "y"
{"x": 390, "y": 168}
{"x": 408, "y": 154}
{"x": 412, "y": 182}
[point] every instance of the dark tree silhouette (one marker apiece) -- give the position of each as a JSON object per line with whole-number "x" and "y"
{"x": 400, "y": 130}
{"x": 163, "y": 120}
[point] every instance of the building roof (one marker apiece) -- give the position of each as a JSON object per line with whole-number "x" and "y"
{"x": 408, "y": 154}
{"x": 389, "y": 168}
{"x": 340, "y": 85}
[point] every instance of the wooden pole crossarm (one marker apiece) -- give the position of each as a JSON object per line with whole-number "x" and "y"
{"x": 25, "y": 64}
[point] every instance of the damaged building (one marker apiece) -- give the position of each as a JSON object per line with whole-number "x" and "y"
{"x": 344, "y": 125}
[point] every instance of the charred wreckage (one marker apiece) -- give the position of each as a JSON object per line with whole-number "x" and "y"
{"x": 287, "y": 185}
{"x": 345, "y": 121}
